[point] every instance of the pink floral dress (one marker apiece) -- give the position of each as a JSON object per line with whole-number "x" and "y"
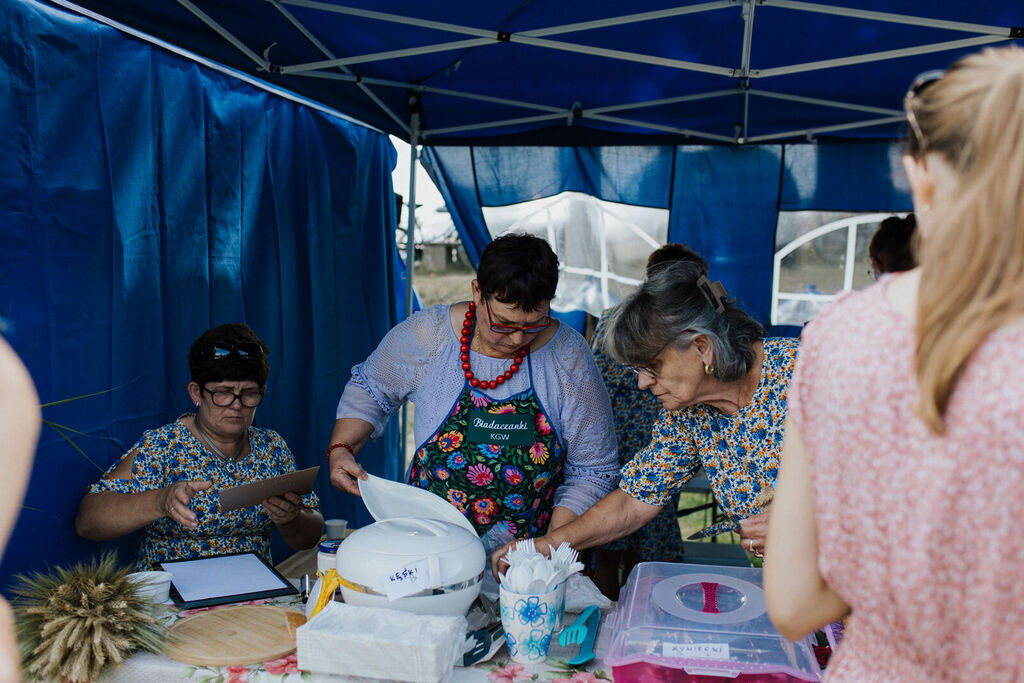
{"x": 918, "y": 533}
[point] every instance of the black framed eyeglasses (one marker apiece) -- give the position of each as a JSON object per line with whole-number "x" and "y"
{"x": 244, "y": 350}
{"x": 918, "y": 86}
{"x": 510, "y": 329}
{"x": 250, "y": 398}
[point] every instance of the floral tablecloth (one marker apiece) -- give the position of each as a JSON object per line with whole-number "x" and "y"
{"x": 153, "y": 668}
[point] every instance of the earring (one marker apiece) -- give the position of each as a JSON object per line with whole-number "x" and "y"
{"x": 709, "y": 369}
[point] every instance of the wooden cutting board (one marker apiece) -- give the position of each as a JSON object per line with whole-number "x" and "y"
{"x": 234, "y": 635}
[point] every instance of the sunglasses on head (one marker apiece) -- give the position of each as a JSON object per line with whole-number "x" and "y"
{"x": 244, "y": 350}
{"x": 919, "y": 85}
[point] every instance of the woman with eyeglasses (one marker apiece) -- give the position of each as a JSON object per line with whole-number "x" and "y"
{"x": 635, "y": 411}
{"x": 513, "y": 425}
{"x": 167, "y": 484}
{"x": 722, "y": 386}
{"x": 899, "y": 498}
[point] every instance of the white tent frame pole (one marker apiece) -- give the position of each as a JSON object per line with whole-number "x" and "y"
{"x": 655, "y": 126}
{"x": 483, "y": 33}
{"x": 889, "y": 17}
{"x": 490, "y": 37}
{"x": 630, "y": 18}
{"x": 515, "y": 38}
{"x": 224, "y": 33}
{"x": 565, "y": 113}
{"x": 214, "y": 66}
{"x": 665, "y": 100}
{"x": 625, "y": 56}
{"x": 879, "y": 56}
{"x": 327, "y": 52}
{"x": 410, "y": 255}
{"x": 389, "y": 54}
{"x": 748, "y": 37}
{"x": 410, "y": 231}
{"x": 825, "y": 103}
{"x": 503, "y": 122}
{"x": 487, "y": 37}
{"x": 827, "y": 129}
{"x": 439, "y": 91}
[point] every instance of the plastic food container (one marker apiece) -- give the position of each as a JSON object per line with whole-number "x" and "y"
{"x": 680, "y": 622}
{"x": 327, "y": 554}
{"x": 155, "y": 585}
{"x": 420, "y": 556}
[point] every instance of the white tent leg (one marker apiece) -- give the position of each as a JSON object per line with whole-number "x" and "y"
{"x": 410, "y": 257}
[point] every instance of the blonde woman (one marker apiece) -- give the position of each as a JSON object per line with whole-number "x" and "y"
{"x": 20, "y": 421}
{"x": 899, "y": 498}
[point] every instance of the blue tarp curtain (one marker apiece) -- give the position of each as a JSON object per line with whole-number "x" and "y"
{"x": 724, "y": 200}
{"x": 146, "y": 198}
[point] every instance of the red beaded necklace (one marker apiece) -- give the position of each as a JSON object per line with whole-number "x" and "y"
{"x": 467, "y": 329}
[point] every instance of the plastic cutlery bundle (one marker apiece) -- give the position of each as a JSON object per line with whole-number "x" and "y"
{"x": 531, "y": 572}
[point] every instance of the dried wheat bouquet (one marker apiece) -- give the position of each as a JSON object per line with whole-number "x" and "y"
{"x": 72, "y": 621}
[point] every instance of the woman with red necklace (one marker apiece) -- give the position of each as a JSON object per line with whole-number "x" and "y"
{"x": 512, "y": 422}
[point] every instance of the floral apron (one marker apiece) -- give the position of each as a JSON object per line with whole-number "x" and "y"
{"x": 497, "y": 461}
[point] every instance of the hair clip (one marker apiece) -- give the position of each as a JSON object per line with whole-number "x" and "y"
{"x": 714, "y": 292}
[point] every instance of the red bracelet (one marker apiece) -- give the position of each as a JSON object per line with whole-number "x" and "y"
{"x": 348, "y": 448}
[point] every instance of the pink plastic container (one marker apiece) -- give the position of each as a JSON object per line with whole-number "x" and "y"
{"x": 701, "y": 623}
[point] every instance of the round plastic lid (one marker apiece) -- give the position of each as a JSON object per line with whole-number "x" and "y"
{"x": 666, "y": 596}
{"x": 329, "y": 546}
{"x": 387, "y": 499}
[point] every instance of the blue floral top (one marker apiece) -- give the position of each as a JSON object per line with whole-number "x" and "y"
{"x": 740, "y": 452}
{"x": 170, "y": 454}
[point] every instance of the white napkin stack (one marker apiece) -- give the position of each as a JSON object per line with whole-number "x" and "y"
{"x": 376, "y": 642}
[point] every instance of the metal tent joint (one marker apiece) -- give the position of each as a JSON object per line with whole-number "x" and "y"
{"x": 504, "y": 36}
{"x": 1017, "y": 31}
{"x": 575, "y": 112}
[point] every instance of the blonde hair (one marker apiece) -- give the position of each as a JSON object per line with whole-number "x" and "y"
{"x": 972, "y": 252}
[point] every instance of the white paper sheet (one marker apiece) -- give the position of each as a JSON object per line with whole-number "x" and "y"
{"x": 214, "y": 577}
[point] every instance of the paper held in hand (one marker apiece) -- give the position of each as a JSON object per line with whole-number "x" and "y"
{"x": 247, "y": 495}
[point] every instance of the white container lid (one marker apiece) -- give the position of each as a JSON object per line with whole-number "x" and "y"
{"x": 370, "y": 554}
{"x": 387, "y": 499}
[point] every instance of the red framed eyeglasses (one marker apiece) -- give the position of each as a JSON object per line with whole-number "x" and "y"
{"x": 511, "y": 329}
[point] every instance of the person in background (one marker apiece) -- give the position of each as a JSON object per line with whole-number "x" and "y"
{"x": 20, "y": 421}
{"x": 891, "y": 248}
{"x": 899, "y": 498}
{"x": 513, "y": 423}
{"x": 635, "y": 411}
{"x": 167, "y": 483}
{"x": 723, "y": 388}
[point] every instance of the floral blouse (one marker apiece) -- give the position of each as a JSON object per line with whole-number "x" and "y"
{"x": 740, "y": 452}
{"x": 170, "y": 454}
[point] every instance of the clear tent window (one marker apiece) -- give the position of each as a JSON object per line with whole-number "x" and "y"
{"x": 602, "y": 246}
{"x": 818, "y": 255}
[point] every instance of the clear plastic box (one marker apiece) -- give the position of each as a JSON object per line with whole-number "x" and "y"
{"x": 701, "y": 623}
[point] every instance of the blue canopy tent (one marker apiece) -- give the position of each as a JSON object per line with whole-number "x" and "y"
{"x": 698, "y": 79}
{"x": 148, "y": 196}
{"x": 185, "y": 194}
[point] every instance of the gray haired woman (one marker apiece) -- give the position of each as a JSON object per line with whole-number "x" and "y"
{"x": 723, "y": 388}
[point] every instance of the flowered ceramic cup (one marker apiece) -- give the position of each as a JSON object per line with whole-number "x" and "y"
{"x": 529, "y": 623}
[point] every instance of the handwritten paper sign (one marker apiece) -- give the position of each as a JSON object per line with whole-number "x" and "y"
{"x": 409, "y": 579}
{"x": 717, "y": 651}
